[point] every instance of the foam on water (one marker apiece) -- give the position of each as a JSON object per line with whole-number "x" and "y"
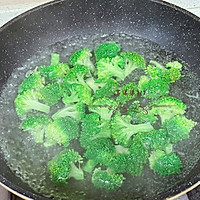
{"x": 28, "y": 160}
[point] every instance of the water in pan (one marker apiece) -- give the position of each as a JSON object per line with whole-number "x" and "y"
{"x": 28, "y": 160}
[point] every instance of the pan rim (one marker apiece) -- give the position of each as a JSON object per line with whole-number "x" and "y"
{"x": 182, "y": 189}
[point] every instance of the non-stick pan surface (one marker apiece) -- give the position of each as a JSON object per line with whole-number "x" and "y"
{"x": 171, "y": 27}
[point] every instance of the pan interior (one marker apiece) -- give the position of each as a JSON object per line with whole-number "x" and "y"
{"x": 28, "y": 160}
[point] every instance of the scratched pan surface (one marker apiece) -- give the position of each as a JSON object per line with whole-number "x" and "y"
{"x": 167, "y": 26}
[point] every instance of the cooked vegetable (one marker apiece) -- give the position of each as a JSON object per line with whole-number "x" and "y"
{"x": 119, "y": 124}
{"x": 63, "y": 167}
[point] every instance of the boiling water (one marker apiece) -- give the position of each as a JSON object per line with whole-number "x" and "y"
{"x": 28, "y": 160}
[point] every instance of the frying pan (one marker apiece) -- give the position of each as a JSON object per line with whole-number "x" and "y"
{"x": 171, "y": 27}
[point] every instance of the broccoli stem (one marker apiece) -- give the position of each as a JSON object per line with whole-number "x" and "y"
{"x": 156, "y": 64}
{"x": 68, "y": 111}
{"x": 35, "y": 105}
{"x": 120, "y": 149}
{"x": 129, "y": 67}
{"x": 89, "y": 166}
{"x": 76, "y": 172}
{"x": 55, "y": 59}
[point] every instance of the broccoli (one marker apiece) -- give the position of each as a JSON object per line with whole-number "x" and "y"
{"x": 108, "y": 49}
{"x": 170, "y": 73}
{"x": 167, "y": 107}
{"x": 111, "y": 67}
{"x": 133, "y": 61}
{"x": 51, "y": 93}
{"x": 104, "y": 107}
{"x": 178, "y": 128}
{"x": 93, "y": 127}
{"x": 122, "y": 129}
{"x": 36, "y": 125}
{"x": 61, "y": 131}
{"x": 165, "y": 164}
{"x": 82, "y": 57}
{"x": 76, "y": 111}
{"x": 55, "y": 71}
{"x": 107, "y": 90}
{"x": 130, "y": 161}
{"x": 154, "y": 88}
{"x": 100, "y": 152}
{"x": 63, "y": 166}
{"x": 140, "y": 114}
{"x": 127, "y": 92}
{"x": 34, "y": 81}
{"x": 77, "y": 93}
{"x": 155, "y": 139}
{"x": 77, "y": 74}
{"x": 104, "y": 179}
{"x": 27, "y": 101}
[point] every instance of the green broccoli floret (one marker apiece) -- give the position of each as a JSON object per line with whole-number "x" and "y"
{"x": 76, "y": 111}
{"x": 100, "y": 152}
{"x": 107, "y": 90}
{"x": 154, "y": 88}
{"x": 111, "y": 67}
{"x": 167, "y": 107}
{"x": 36, "y": 125}
{"x": 77, "y": 74}
{"x": 127, "y": 92}
{"x": 155, "y": 139}
{"x": 104, "y": 179}
{"x": 55, "y": 71}
{"x": 27, "y": 101}
{"x": 108, "y": 49}
{"x": 133, "y": 61}
{"x": 61, "y": 131}
{"x": 51, "y": 93}
{"x": 77, "y": 93}
{"x": 165, "y": 164}
{"x": 93, "y": 127}
{"x": 82, "y": 57}
{"x": 170, "y": 73}
{"x": 130, "y": 161}
{"x": 178, "y": 128}
{"x": 141, "y": 114}
{"x": 34, "y": 81}
{"x": 104, "y": 107}
{"x": 63, "y": 166}
{"x": 122, "y": 129}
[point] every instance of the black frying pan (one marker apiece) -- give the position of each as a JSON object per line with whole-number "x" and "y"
{"x": 174, "y": 29}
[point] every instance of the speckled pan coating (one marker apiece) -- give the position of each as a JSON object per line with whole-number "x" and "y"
{"x": 172, "y": 28}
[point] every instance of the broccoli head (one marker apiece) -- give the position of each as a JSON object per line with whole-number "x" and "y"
{"x": 167, "y": 107}
{"x": 103, "y": 179}
{"x": 55, "y": 71}
{"x": 63, "y": 166}
{"x": 100, "y": 152}
{"x": 107, "y": 49}
{"x": 93, "y": 127}
{"x": 178, "y": 128}
{"x": 36, "y": 125}
{"x": 133, "y": 61}
{"x": 104, "y": 107}
{"x": 34, "y": 81}
{"x": 111, "y": 67}
{"x": 61, "y": 131}
{"x": 82, "y": 57}
{"x": 165, "y": 164}
{"x": 51, "y": 93}
{"x": 107, "y": 90}
{"x": 127, "y": 92}
{"x": 154, "y": 88}
{"x": 27, "y": 101}
{"x": 122, "y": 129}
